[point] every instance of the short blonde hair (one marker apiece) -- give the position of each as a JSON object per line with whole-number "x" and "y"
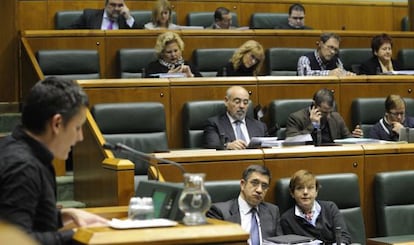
{"x": 302, "y": 177}
{"x": 165, "y": 39}
{"x": 160, "y": 6}
{"x": 250, "y": 46}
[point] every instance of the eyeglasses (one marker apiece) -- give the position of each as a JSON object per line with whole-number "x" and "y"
{"x": 298, "y": 17}
{"x": 114, "y": 5}
{"x": 255, "y": 183}
{"x": 254, "y": 58}
{"x": 396, "y": 114}
{"x": 332, "y": 48}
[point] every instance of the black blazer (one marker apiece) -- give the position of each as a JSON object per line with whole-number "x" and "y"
{"x": 92, "y": 19}
{"x": 371, "y": 66}
{"x": 220, "y": 127}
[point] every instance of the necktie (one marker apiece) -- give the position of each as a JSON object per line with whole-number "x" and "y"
{"x": 239, "y": 133}
{"x": 254, "y": 229}
{"x": 110, "y": 25}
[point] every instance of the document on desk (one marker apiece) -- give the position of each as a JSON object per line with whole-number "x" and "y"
{"x": 358, "y": 141}
{"x": 131, "y": 224}
{"x": 259, "y": 142}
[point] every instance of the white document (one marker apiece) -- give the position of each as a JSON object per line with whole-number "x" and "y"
{"x": 129, "y": 224}
{"x": 299, "y": 138}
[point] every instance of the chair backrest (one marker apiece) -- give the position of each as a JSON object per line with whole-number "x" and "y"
{"x": 284, "y": 61}
{"x": 342, "y": 189}
{"x": 142, "y": 17}
{"x": 140, "y": 125}
{"x": 353, "y": 57}
{"x": 206, "y": 19}
{"x": 367, "y": 112}
{"x": 63, "y": 19}
{"x": 195, "y": 115}
{"x": 279, "y": 111}
{"x": 405, "y": 24}
{"x": 406, "y": 59}
{"x": 267, "y": 20}
{"x": 394, "y": 203}
{"x": 211, "y": 60}
{"x": 132, "y": 62}
{"x": 222, "y": 190}
{"x": 70, "y": 64}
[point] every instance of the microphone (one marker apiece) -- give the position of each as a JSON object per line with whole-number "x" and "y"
{"x": 142, "y": 155}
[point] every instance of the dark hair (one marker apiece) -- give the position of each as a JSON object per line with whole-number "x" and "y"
{"x": 256, "y": 168}
{"x": 394, "y": 101}
{"x": 296, "y": 7}
{"x": 50, "y": 97}
{"x": 220, "y": 11}
{"x": 378, "y": 41}
{"x": 324, "y": 95}
{"x": 328, "y": 35}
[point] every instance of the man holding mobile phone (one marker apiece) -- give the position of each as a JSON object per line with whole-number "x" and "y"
{"x": 320, "y": 116}
{"x": 114, "y": 16}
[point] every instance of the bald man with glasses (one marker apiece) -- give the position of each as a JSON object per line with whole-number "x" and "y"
{"x": 114, "y": 16}
{"x": 324, "y": 61}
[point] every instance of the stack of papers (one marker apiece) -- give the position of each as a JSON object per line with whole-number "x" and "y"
{"x": 260, "y": 142}
{"x": 129, "y": 224}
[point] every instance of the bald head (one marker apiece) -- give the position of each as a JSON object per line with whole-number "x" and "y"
{"x": 237, "y": 101}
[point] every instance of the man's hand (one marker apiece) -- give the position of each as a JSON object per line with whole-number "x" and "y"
{"x": 125, "y": 12}
{"x": 236, "y": 145}
{"x": 396, "y": 127}
{"x": 82, "y": 218}
{"x": 315, "y": 115}
{"x": 358, "y": 133}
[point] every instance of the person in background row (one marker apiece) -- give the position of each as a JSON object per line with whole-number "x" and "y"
{"x": 161, "y": 16}
{"x": 296, "y": 19}
{"x": 114, "y": 16}
{"x": 247, "y": 60}
{"x": 169, "y": 48}
{"x": 395, "y": 119}
{"x": 311, "y": 218}
{"x": 52, "y": 120}
{"x": 320, "y": 116}
{"x": 324, "y": 61}
{"x": 381, "y": 60}
{"x": 261, "y": 219}
{"x": 233, "y": 129}
{"x": 222, "y": 19}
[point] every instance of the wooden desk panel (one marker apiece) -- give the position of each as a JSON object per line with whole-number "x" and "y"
{"x": 392, "y": 240}
{"x": 382, "y": 158}
{"x": 215, "y": 231}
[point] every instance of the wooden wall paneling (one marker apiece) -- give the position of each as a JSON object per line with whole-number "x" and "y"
{"x": 400, "y": 10}
{"x": 393, "y": 158}
{"x": 351, "y": 89}
{"x": 247, "y": 8}
{"x": 32, "y": 15}
{"x": 183, "y": 90}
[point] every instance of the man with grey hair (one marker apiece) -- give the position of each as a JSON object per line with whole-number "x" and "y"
{"x": 114, "y": 16}
{"x": 233, "y": 129}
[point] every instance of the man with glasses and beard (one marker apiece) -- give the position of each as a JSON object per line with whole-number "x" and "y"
{"x": 261, "y": 219}
{"x": 114, "y": 16}
{"x": 320, "y": 116}
{"x": 296, "y": 19}
{"x": 324, "y": 61}
{"x": 395, "y": 119}
{"x": 233, "y": 129}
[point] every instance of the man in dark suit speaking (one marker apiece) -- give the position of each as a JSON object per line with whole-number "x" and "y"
{"x": 114, "y": 16}
{"x": 259, "y": 218}
{"x": 233, "y": 130}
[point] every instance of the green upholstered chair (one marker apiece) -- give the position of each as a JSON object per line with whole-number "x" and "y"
{"x": 352, "y": 58}
{"x": 211, "y": 60}
{"x": 342, "y": 189}
{"x": 139, "y": 125}
{"x": 394, "y": 203}
{"x": 367, "y": 112}
{"x": 284, "y": 61}
{"x": 195, "y": 115}
{"x": 279, "y": 111}
{"x": 267, "y": 20}
{"x": 132, "y": 62}
{"x": 69, "y": 64}
{"x": 142, "y": 17}
{"x": 222, "y": 190}
{"x": 406, "y": 59}
{"x": 206, "y": 19}
{"x": 63, "y": 19}
{"x": 405, "y": 24}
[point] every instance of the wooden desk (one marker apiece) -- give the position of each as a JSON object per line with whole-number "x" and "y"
{"x": 392, "y": 240}
{"x": 215, "y": 232}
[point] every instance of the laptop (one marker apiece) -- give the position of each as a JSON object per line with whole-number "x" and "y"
{"x": 407, "y": 134}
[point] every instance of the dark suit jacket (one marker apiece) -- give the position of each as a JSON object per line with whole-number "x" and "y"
{"x": 372, "y": 66}
{"x": 218, "y": 130}
{"x": 92, "y": 19}
{"x": 268, "y": 214}
{"x": 299, "y": 123}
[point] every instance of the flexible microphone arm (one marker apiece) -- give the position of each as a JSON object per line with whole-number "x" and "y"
{"x": 120, "y": 146}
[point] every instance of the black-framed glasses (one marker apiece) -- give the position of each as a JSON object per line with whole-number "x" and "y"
{"x": 255, "y": 183}
{"x": 298, "y": 17}
{"x": 396, "y": 114}
{"x": 332, "y": 48}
